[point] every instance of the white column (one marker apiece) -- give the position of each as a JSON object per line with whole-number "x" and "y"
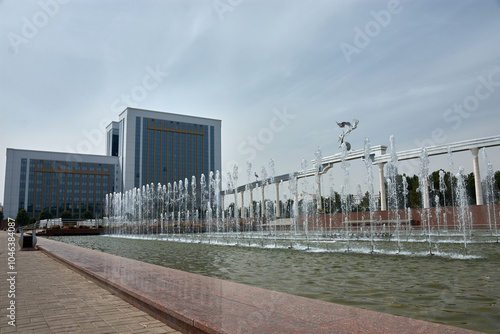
{"x": 277, "y": 200}
{"x": 477, "y": 176}
{"x": 383, "y": 198}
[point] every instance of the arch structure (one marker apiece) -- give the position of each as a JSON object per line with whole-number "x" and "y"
{"x": 380, "y": 157}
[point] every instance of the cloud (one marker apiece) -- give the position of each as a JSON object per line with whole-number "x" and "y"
{"x": 263, "y": 55}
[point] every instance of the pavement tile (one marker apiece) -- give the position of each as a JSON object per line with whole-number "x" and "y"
{"x": 72, "y": 330}
{"x": 24, "y": 328}
{"x": 122, "y": 329}
{"x": 37, "y": 319}
{"x": 101, "y": 324}
{"x": 88, "y": 327}
{"x": 8, "y": 330}
{"x": 42, "y": 330}
{"x": 103, "y": 331}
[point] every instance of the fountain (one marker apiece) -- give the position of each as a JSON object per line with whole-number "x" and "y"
{"x": 189, "y": 212}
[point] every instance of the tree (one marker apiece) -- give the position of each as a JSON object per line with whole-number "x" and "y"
{"x": 230, "y": 210}
{"x": 256, "y": 209}
{"x": 326, "y": 204}
{"x": 88, "y": 215}
{"x": 22, "y": 218}
{"x": 446, "y": 198}
{"x": 413, "y": 193}
{"x": 337, "y": 203}
{"x": 470, "y": 186}
{"x": 45, "y": 214}
{"x": 66, "y": 215}
{"x": 364, "y": 204}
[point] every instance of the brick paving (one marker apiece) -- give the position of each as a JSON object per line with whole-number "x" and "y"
{"x": 51, "y": 298}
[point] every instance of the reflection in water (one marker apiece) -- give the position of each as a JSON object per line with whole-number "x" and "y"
{"x": 456, "y": 292}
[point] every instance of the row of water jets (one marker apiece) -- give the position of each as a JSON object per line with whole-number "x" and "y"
{"x": 194, "y": 211}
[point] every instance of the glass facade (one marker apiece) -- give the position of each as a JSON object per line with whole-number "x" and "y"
{"x": 22, "y": 183}
{"x": 113, "y": 142}
{"x": 59, "y": 186}
{"x": 172, "y": 151}
{"x": 137, "y": 176}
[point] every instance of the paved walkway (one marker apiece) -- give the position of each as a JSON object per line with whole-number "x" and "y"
{"x": 51, "y": 298}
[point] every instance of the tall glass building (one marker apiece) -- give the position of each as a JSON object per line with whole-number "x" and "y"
{"x": 143, "y": 147}
{"x": 157, "y": 147}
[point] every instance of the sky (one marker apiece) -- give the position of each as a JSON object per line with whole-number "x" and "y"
{"x": 278, "y": 73}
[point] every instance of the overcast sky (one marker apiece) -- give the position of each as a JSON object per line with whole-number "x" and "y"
{"x": 278, "y": 73}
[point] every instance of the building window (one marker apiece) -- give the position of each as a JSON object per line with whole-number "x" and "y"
{"x": 22, "y": 183}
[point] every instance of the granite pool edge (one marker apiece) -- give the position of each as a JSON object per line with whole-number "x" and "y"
{"x": 329, "y": 318}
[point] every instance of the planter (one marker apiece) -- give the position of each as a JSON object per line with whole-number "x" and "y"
{"x": 74, "y": 231}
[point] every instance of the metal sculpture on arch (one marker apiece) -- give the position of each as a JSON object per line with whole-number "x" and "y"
{"x": 350, "y": 126}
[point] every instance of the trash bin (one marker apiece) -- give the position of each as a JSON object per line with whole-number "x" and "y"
{"x": 27, "y": 241}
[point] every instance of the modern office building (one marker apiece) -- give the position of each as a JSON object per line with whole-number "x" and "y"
{"x": 143, "y": 147}
{"x": 156, "y": 147}
{"x": 38, "y": 180}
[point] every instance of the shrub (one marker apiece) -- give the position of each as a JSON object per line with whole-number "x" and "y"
{"x": 66, "y": 215}
{"x": 45, "y": 214}
{"x": 55, "y": 227}
{"x": 22, "y": 218}
{"x": 87, "y": 215}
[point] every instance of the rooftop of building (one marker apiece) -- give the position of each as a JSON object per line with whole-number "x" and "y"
{"x": 163, "y": 114}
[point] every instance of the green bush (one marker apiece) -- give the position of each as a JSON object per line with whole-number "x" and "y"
{"x": 66, "y": 215}
{"x": 87, "y": 215}
{"x": 45, "y": 214}
{"x": 22, "y": 218}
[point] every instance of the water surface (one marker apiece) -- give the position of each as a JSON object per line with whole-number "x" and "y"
{"x": 463, "y": 292}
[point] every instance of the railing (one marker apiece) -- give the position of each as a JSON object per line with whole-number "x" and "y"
{"x": 30, "y": 226}
{"x": 47, "y": 223}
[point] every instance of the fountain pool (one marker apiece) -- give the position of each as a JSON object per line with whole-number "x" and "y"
{"x": 456, "y": 291}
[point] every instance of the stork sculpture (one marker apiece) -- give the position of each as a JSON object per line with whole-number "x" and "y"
{"x": 350, "y": 126}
